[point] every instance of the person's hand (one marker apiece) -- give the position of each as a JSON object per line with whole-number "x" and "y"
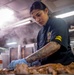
{"x": 13, "y": 63}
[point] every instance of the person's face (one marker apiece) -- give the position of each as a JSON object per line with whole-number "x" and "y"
{"x": 40, "y": 16}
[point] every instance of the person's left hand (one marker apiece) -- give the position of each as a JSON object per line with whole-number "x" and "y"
{"x": 13, "y": 63}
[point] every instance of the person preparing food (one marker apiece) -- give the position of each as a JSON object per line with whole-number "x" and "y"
{"x": 53, "y": 42}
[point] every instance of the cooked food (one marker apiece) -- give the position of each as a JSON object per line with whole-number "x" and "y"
{"x": 53, "y": 69}
{"x": 21, "y": 69}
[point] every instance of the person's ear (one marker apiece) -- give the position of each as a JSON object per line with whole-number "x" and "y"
{"x": 46, "y": 10}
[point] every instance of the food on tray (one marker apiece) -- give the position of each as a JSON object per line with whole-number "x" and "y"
{"x": 53, "y": 69}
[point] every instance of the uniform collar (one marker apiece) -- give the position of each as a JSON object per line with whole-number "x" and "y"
{"x": 47, "y": 23}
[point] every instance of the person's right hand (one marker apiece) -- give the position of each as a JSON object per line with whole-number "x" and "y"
{"x": 13, "y": 63}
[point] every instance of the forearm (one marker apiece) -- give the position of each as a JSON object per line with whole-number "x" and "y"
{"x": 45, "y": 51}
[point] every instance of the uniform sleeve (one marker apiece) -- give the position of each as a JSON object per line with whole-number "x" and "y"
{"x": 59, "y": 31}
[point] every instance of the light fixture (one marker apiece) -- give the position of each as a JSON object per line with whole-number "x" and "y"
{"x": 29, "y": 45}
{"x": 6, "y": 15}
{"x": 71, "y": 30}
{"x": 65, "y": 15}
{"x": 21, "y": 24}
{"x": 12, "y": 43}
